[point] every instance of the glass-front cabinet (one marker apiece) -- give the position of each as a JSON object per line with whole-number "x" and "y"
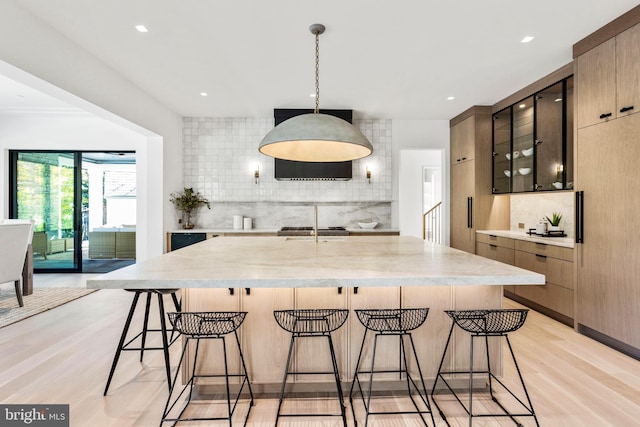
{"x": 533, "y": 142}
{"x": 502, "y": 151}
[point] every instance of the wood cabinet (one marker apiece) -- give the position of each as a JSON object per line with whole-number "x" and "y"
{"x": 607, "y": 263}
{"x": 556, "y": 297}
{"x": 473, "y": 205}
{"x": 463, "y": 142}
{"x": 608, "y": 259}
{"x": 608, "y": 79}
{"x": 496, "y": 248}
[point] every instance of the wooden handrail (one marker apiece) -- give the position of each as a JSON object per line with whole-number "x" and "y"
{"x": 424, "y": 217}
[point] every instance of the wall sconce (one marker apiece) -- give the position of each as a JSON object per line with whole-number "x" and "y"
{"x": 369, "y": 174}
{"x": 256, "y": 172}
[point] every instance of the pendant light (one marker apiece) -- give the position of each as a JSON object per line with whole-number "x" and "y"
{"x": 316, "y": 137}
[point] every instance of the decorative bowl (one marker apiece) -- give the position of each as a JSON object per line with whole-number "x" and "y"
{"x": 508, "y": 172}
{"x": 527, "y": 152}
{"x": 367, "y": 225}
{"x": 524, "y": 171}
{"x": 514, "y": 155}
{"x": 557, "y": 185}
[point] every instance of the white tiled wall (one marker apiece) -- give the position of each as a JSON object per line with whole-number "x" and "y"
{"x": 219, "y": 155}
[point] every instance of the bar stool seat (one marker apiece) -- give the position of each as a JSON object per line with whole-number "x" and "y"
{"x": 308, "y": 323}
{"x": 486, "y": 324}
{"x": 392, "y": 322}
{"x": 129, "y": 345}
{"x": 198, "y": 326}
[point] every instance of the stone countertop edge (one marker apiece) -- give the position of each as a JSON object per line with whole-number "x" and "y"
{"x": 565, "y": 242}
{"x": 280, "y": 262}
{"x": 275, "y": 230}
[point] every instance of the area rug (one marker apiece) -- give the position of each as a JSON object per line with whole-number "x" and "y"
{"x": 41, "y": 300}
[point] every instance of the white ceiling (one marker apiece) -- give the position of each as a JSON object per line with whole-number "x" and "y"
{"x": 384, "y": 59}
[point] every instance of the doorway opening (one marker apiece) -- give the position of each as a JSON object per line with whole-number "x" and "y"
{"x": 421, "y": 188}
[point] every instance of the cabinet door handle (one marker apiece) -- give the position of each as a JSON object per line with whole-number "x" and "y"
{"x": 493, "y": 246}
{"x": 541, "y": 256}
{"x": 230, "y": 291}
{"x": 355, "y": 289}
{"x": 340, "y": 290}
{"x": 469, "y": 212}
{"x": 579, "y": 216}
{"x": 625, "y": 109}
{"x": 605, "y": 115}
{"x": 464, "y": 158}
{"x": 248, "y": 291}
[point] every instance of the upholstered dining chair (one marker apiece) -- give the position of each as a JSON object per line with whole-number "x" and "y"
{"x": 15, "y": 236}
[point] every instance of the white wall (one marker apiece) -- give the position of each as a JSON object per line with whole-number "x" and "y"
{"x": 420, "y": 134}
{"x": 35, "y": 54}
{"x": 410, "y": 201}
{"x": 76, "y": 133}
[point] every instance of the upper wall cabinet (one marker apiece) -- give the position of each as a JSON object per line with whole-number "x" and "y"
{"x": 533, "y": 142}
{"x": 463, "y": 142}
{"x": 608, "y": 79}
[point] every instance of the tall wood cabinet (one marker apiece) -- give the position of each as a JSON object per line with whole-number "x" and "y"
{"x": 608, "y": 260}
{"x": 472, "y": 204}
{"x": 608, "y": 184}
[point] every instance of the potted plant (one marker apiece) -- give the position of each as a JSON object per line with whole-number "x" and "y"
{"x": 555, "y": 221}
{"x": 188, "y": 202}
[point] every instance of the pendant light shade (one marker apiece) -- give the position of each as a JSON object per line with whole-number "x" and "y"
{"x": 316, "y": 137}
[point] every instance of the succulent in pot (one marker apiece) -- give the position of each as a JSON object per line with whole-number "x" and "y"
{"x": 188, "y": 202}
{"x": 555, "y": 219}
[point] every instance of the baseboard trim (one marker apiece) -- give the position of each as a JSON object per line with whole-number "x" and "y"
{"x": 609, "y": 341}
{"x": 540, "y": 308}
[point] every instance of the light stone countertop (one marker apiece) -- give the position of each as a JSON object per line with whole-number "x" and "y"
{"x": 294, "y": 262}
{"x": 275, "y": 230}
{"x": 565, "y": 242}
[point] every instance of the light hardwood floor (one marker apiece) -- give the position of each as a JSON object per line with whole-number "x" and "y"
{"x": 63, "y": 356}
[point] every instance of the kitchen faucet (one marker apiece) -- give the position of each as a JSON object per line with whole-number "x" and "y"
{"x": 314, "y": 232}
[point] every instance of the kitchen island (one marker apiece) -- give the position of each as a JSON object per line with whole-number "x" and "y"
{"x": 262, "y": 274}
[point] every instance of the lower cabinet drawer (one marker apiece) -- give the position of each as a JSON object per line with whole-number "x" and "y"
{"x": 497, "y": 253}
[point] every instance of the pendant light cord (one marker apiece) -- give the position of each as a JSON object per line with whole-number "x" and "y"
{"x": 317, "y": 109}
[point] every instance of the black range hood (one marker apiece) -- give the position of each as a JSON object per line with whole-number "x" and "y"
{"x": 289, "y": 170}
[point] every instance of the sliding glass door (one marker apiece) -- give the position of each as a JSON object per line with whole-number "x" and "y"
{"x": 46, "y": 188}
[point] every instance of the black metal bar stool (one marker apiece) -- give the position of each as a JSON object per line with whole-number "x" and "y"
{"x": 392, "y": 322}
{"x": 125, "y": 345}
{"x": 200, "y": 326}
{"x": 308, "y": 324}
{"x": 486, "y": 324}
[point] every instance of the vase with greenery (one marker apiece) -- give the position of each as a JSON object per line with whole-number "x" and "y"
{"x": 555, "y": 220}
{"x": 188, "y": 202}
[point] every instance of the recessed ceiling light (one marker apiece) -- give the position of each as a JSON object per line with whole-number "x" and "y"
{"x": 527, "y": 39}
{"x": 558, "y": 99}
{"x": 522, "y": 105}
{"x": 451, "y": 98}
{"x": 142, "y": 29}
{"x": 204, "y": 94}
{"x": 313, "y": 95}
